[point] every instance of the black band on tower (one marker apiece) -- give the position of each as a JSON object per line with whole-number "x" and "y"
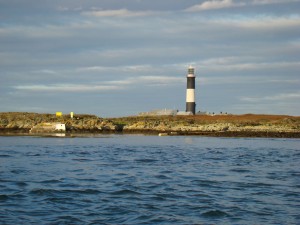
{"x": 190, "y": 83}
{"x": 191, "y": 107}
{"x": 190, "y": 91}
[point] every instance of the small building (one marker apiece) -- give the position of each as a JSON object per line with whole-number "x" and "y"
{"x": 160, "y": 112}
{"x": 60, "y": 127}
{"x": 49, "y": 127}
{"x": 183, "y": 113}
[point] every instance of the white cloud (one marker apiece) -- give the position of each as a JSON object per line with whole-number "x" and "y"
{"x": 161, "y": 79}
{"x": 149, "y": 80}
{"x": 214, "y": 4}
{"x": 66, "y": 88}
{"x": 268, "y": 23}
{"x": 65, "y": 9}
{"x": 278, "y": 97}
{"x": 45, "y": 71}
{"x": 243, "y": 64}
{"x": 261, "y": 23}
{"x": 266, "y": 2}
{"x": 284, "y": 81}
{"x": 93, "y": 69}
{"x": 116, "y": 13}
{"x": 129, "y": 68}
{"x": 46, "y": 31}
{"x": 220, "y": 4}
{"x": 105, "y": 86}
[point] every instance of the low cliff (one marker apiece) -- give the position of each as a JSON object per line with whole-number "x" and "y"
{"x": 24, "y": 122}
{"x": 220, "y": 125}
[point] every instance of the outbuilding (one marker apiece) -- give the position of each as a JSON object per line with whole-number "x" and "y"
{"x": 60, "y": 127}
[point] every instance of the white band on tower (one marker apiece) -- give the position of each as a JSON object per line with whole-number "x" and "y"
{"x": 190, "y": 95}
{"x": 190, "y": 91}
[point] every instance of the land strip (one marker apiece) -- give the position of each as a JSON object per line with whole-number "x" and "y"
{"x": 248, "y": 125}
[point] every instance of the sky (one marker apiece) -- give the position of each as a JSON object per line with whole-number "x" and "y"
{"x": 117, "y": 58}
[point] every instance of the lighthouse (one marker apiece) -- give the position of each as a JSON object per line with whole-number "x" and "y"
{"x": 190, "y": 91}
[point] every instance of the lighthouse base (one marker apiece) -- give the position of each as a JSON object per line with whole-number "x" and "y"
{"x": 191, "y": 107}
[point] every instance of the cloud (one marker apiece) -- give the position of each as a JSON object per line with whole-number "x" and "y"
{"x": 128, "y": 68}
{"x": 116, "y": 13}
{"x": 268, "y": 23}
{"x": 149, "y": 80}
{"x": 220, "y": 4}
{"x": 161, "y": 79}
{"x": 278, "y": 97}
{"x": 244, "y": 64}
{"x": 266, "y": 2}
{"x": 97, "y": 52}
{"x": 66, "y": 88}
{"x": 105, "y": 86}
{"x": 66, "y": 9}
{"x": 33, "y": 32}
{"x": 46, "y": 71}
{"x": 214, "y": 4}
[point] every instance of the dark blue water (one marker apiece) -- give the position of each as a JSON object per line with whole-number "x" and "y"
{"x": 123, "y": 179}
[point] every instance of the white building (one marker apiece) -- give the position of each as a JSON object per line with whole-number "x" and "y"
{"x": 60, "y": 127}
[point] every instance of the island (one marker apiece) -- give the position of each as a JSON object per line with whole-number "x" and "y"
{"x": 246, "y": 125}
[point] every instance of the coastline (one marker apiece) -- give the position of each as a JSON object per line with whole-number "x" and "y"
{"x": 154, "y": 133}
{"x": 248, "y": 125}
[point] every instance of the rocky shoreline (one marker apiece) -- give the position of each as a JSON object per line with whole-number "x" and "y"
{"x": 249, "y": 125}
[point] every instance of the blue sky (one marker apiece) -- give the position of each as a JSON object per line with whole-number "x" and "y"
{"x": 122, "y": 57}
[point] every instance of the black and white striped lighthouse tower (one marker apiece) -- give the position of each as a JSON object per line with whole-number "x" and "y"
{"x": 190, "y": 91}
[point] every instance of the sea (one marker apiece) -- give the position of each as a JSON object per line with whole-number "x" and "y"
{"x": 144, "y": 179}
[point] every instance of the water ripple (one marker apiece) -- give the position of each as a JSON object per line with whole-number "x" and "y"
{"x": 147, "y": 180}
{"x": 215, "y": 214}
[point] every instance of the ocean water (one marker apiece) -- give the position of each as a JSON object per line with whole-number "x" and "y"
{"x": 136, "y": 179}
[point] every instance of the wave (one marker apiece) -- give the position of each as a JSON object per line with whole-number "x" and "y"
{"x": 125, "y": 192}
{"x": 215, "y": 214}
{"x": 46, "y": 192}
